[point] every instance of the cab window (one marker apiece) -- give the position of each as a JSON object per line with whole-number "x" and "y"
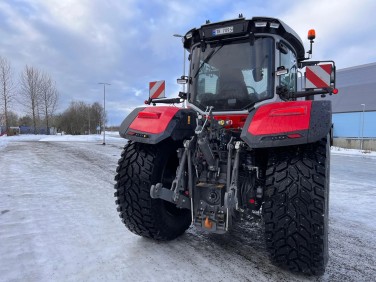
{"x": 288, "y": 60}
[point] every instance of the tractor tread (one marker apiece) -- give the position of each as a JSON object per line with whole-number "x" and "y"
{"x": 295, "y": 209}
{"x": 141, "y": 214}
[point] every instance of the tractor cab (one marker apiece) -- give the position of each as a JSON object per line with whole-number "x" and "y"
{"x": 239, "y": 63}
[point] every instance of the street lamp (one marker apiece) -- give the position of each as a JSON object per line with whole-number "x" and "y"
{"x": 182, "y": 39}
{"x": 104, "y": 111}
{"x": 89, "y": 116}
{"x": 361, "y": 143}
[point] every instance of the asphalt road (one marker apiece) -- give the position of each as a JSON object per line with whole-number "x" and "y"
{"x": 58, "y": 222}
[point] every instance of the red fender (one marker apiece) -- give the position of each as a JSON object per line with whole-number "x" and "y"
{"x": 287, "y": 123}
{"x": 153, "y": 120}
{"x": 154, "y": 124}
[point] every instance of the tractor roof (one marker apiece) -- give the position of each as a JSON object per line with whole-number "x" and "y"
{"x": 243, "y": 28}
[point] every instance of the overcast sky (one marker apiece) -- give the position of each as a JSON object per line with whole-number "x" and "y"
{"x": 129, "y": 42}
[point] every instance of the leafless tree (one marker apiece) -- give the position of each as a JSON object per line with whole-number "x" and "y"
{"x": 30, "y": 86}
{"x": 12, "y": 118}
{"x": 97, "y": 115}
{"x": 7, "y": 89}
{"x": 25, "y": 121}
{"x": 49, "y": 97}
{"x": 80, "y": 118}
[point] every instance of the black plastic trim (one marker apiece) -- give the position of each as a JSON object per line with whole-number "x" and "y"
{"x": 128, "y": 121}
{"x": 321, "y": 120}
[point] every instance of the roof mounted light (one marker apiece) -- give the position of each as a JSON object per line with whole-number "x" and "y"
{"x": 260, "y": 24}
{"x": 189, "y": 35}
{"x": 274, "y": 25}
{"x": 311, "y": 34}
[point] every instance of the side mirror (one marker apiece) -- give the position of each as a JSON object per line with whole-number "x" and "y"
{"x": 257, "y": 74}
{"x": 281, "y": 71}
{"x": 182, "y": 80}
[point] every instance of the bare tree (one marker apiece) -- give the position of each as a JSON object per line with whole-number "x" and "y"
{"x": 30, "y": 83}
{"x": 49, "y": 98}
{"x": 25, "y": 121}
{"x": 80, "y": 117}
{"x": 97, "y": 113}
{"x": 72, "y": 121}
{"x": 12, "y": 119}
{"x": 7, "y": 89}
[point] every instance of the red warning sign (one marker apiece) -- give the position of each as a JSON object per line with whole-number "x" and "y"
{"x": 318, "y": 76}
{"x": 157, "y": 89}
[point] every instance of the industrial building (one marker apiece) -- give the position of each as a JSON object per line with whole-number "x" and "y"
{"x": 354, "y": 107}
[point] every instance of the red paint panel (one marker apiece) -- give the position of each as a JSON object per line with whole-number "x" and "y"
{"x": 290, "y": 111}
{"x": 149, "y": 115}
{"x": 154, "y": 125}
{"x": 281, "y": 117}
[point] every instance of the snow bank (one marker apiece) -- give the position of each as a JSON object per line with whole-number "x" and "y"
{"x": 110, "y": 136}
{"x": 78, "y": 138}
{"x": 344, "y": 151}
{"x": 4, "y": 140}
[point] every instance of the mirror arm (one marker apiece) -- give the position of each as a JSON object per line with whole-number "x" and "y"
{"x": 283, "y": 92}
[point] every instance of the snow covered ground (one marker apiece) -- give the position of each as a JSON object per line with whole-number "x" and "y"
{"x": 58, "y": 222}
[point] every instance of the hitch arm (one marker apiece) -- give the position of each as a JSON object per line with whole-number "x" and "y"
{"x": 175, "y": 194}
{"x": 159, "y": 192}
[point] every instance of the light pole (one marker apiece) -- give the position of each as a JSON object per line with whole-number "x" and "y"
{"x": 104, "y": 111}
{"x": 89, "y": 116}
{"x": 182, "y": 39}
{"x": 361, "y": 143}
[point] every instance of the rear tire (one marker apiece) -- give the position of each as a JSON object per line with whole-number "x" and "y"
{"x": 296, "y": 206}
{"x": 140, "y": 166}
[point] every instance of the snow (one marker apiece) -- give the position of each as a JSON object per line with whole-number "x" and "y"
{"x": 110, "y": 135}
{"x": 354, "y": 152}
{"x": 58, "y": 222}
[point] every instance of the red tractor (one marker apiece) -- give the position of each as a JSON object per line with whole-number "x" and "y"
{"x": 250, "y": 137}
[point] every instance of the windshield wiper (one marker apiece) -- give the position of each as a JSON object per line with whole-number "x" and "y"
{"x": 207, "y": 59}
